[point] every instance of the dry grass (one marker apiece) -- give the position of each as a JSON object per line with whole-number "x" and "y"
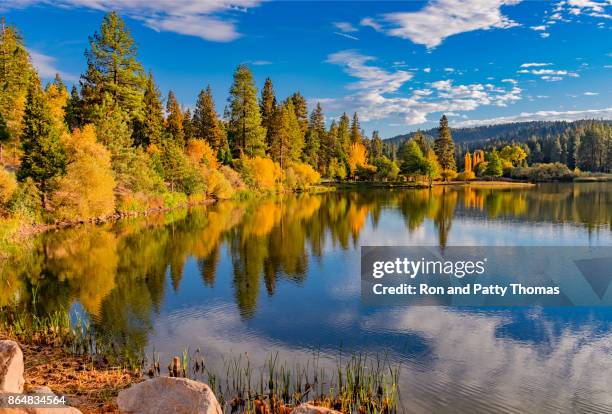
{"x": 90, "y": 388}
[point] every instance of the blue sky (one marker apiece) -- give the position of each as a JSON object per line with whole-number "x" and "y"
{"x": 399, "y": 64}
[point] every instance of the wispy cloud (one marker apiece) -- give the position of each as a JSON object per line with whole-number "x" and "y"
{"x": 348, "y": 36}
{"x": 345, "y": 27}
{"x": 549, "y": 75}
{"x": 605, "y": 113}
{"x": 210, "y": 20}
{"x": 534, "y": 65}
{"x": 378, "y": 92}
{"x": 591, "y": 93}
{"x": 45, "y": 65}
{"x": 440, "y": 19}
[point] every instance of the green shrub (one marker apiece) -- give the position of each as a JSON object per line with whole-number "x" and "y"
{"x": 543, "y": 172}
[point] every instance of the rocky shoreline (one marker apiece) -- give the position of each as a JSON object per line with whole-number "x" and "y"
{"x": 159, "y": 395}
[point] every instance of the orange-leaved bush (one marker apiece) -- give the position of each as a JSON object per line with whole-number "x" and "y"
{"x": 86, "y": 190}
{"x": 200, "y": 151}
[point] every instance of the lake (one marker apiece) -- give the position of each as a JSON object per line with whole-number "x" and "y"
{"x": 282, "y": 275}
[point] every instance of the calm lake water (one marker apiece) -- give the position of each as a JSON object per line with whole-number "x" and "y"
{"x": 282, "y": 275}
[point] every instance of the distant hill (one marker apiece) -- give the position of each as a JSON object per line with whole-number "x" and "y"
{"x": 517, "y": 131}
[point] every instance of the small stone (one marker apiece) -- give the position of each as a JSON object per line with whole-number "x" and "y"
{"x": 313, "y": 409}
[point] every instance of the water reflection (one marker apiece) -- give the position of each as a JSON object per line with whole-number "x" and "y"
{"x": 283, "y": 274}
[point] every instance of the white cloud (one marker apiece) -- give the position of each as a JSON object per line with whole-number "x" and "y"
{"x": 45, "y": 65}
{"x": 591, "y": 93}
{"x": 440, "y": 19}
{"x": 512, "y": 81}
{"x": 209, "y": 20}
{"x": 534, "y": 64}
{"x": 370, "y": 77}
{"x": 566, "y": 10}
{"x": 427, "y": 70}
{"x": 605, "y": 113}
{"x": 549, "y": 75}
{"x": 377, "y": 93}
{"x": 260, "y": 62}
{"x": 449, "y": 70}
{"x": 538, "y": 28}
{"x": 544, "y": 35}
{"x": 345, "y": 27}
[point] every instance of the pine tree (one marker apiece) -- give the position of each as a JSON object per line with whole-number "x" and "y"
{"x": 44, "y": 157}
{"x": 343, "y": 136}
{"x": 174, "y": 120}
{"x": 444, "y": 147}
{"x": 494, "y": 165}
{"x": 296, "y": 137}
{"x": 280, "y": 137}
{"x": 74, "y": 116}
{"x": 15, "y": 74}
{"x": 57, "y": 96}
{"x": 245, "y": 133}
{"x": 149, "y": 130}
{"x": 188, "y": 125}
{"x": 4, "y": 136}
{"x": 376, "y": 145}
{"x": 592, "y": 150}
{"x": 301, "y": 110}
{"x": 421, "y": 141}
{"x": 412, "y": 158}
{"x": 314, "y": 137}
{"x": 112, "y": 68}
{"x": 205, "y": 120}
{"x": 267, "y": 106}
{"x": 355, "y": 130}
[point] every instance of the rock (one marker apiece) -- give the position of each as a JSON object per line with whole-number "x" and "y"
{"x": 313, "y": 409}
{"x": 168, "y": 395}
{"x": 11, "y": 367}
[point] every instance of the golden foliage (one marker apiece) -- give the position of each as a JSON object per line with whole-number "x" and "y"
{"x": 468, "y": 162}
{"x": 57, "y": 99}
{"x": 7, "y": 185}
{"x": 259, "y": 172}
{"x": 218, "y": 185}
{"x": 357, "y": 156}
{"x": 300, "y": 176}
{"x": 87, "y": 188}
{"x": 466, "y": 175}
{"x": 478, "y": 157}
{"x": 200, "y": 151}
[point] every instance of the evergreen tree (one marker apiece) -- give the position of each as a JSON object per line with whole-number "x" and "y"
{"x": 376, "y": 146}
{"x": 301, "y": 110}
{"x": 314, "y": 136}
{"x": 74, "y": 116}
{"x": 149, "y": 130}
{"x": 245, "y": 132}
{"x": 205, "y": 120}
{"x": 494, "y": 165}
{"x": 343, "y": 136}
{"x": 296, "y": 137}
{"x": 267, "y": 106}
{"x": 15, "y": 74}
{"x": 412, "y": 158}
{"x": 444, "y": 147}
{"x": 280, "y": 137}
{"x": 112, "y": 68}
{"x": 174, "y": 120}
{"x": 328, "y": 148}
{"x": 592, "y": 151}
{"x": 355, "y": 130}
{"x": 4, "y": 136}
{"x": 421, "y": 141}
{"x": 44, "y": 157}
{"x": 188, "y": 125}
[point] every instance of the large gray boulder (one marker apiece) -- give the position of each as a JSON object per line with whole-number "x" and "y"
{"x": 313, "y": 409}
{"x": 168, "y": 395}
{"x": 11, "y": 367}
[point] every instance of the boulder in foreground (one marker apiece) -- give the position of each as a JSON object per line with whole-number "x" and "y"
{"x": 168, "y": 395}
{"x": 11, "y": 367}
{"x": 313, "y": 409}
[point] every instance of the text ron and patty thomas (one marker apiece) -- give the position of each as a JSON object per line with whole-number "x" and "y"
{"x": 459, "y": 269}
